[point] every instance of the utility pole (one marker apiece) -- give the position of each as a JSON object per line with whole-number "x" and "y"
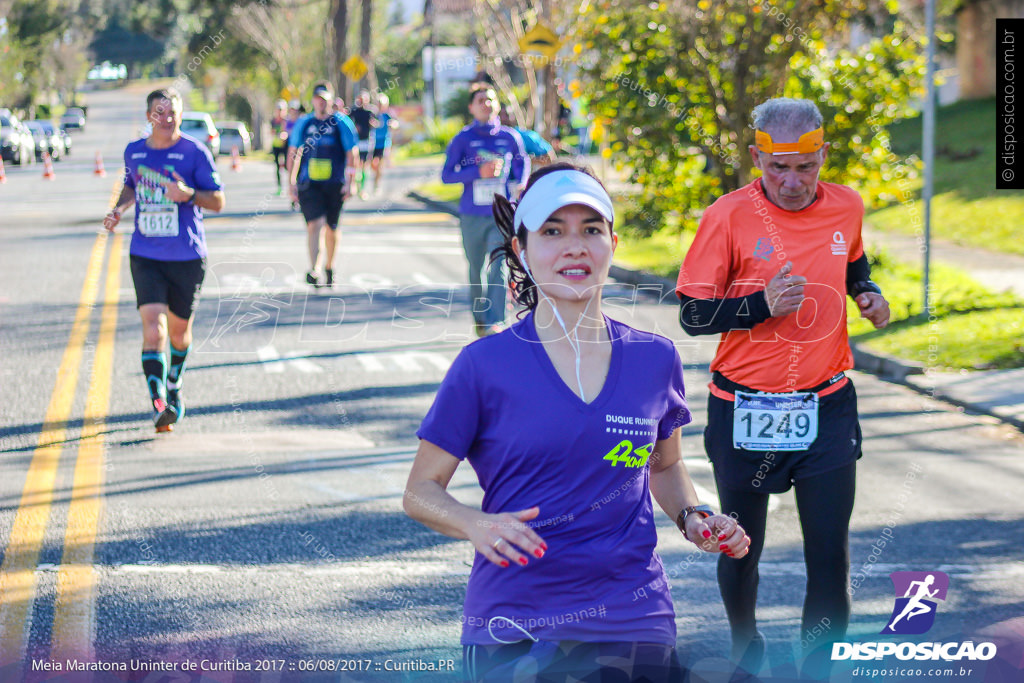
{"x": 928, "y": 147}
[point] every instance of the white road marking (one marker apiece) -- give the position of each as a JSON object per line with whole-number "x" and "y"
{"x": 268, "y": 355}
{"x": 370, "y": 363}
{"x": 421, "y": 279}
{"x": 409, "y": 361}
{"x": 274, "y": 363}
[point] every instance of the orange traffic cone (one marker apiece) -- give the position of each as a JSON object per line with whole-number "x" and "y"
{"x": 99, "y": 170}
{"x": 236, "y": 162}
{"x": 3, "y": 173}
{"x": 48, "y": 173}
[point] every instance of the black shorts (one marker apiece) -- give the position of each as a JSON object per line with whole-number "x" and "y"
{"x": 321, "y": 200}
{"x": 175, "y": 283}
{"x": 378, "y": 152}
{"x": 838, "y": 444}
{"x": 279, "y": 155}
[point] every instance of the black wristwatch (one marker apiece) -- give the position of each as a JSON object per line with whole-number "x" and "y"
{"x": 704, "y": 511}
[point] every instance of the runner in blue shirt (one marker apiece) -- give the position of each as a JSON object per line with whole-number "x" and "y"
{"x": 170, "y": 178}
{"x": 540, "y": 150}
{"x": 321, "y": 159}
{"x": 571, "y": 421}
{"x": 488, "y": 159}
{"x": 382, "y": 138}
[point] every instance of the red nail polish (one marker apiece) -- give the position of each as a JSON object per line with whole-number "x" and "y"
{"x": 707, "y": 534}
{"x": 544, "y": 546}
{"x": 504, "y": 563}
{"x": 723, "y": 547}
{"x": 523, "y": 561}
{"x": 538, "y": 552}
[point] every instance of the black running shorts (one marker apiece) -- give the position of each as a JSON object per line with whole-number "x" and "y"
{"x": 838, "y": 444}
{"x": 175, "y": 283}
{"x": 321, "y": 200}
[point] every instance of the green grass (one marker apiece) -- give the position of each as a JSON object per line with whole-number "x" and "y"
{"x": 419, "y": 149}
{"x": 966, "y": 209}
{"x": 197, "y": 103}
{"x": 661, "y": 253}
{"x": 968, "y": 326}
{"x": 401, "y": 158}
{"x": 441, "y": 192}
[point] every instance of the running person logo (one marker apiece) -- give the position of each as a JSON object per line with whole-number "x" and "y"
{"x": 916, "y": 593}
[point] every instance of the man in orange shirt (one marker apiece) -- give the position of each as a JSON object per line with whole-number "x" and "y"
{"x": 769, "y": 270}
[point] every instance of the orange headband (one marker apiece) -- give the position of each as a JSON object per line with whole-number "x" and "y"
{"x": 808, "y": 142}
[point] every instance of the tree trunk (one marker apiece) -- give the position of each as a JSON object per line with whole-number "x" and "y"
{"x": 339, "y": 20}
{"x": 366, "y": 21}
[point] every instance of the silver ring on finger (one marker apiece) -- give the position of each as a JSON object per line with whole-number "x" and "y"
{"x": 495, "y": 544}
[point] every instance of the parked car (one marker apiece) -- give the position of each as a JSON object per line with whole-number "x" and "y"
{"x": 200, "y": 126}
{"x": 16, "y": 142}
{"x": 234, "y": 134}
{"x": 46, "y": 139}
{"x": 74, "y": 117}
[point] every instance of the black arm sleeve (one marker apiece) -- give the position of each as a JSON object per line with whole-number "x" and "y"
{"x": 858, "y": 277}
{"x": 714, "y": 316}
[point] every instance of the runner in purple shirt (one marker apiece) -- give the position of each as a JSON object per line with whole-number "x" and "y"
{"x": 170, "y": 178}
{"x": 571, "y": 421}
{"x": 487, "y": 158}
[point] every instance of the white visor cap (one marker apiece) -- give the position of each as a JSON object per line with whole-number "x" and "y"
{"x": 558, "y": 189}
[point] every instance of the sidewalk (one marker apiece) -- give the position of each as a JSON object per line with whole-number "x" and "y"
{"x": 998, "y": 393}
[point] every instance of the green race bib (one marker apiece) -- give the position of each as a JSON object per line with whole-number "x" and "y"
{"x": 319, "y": 169}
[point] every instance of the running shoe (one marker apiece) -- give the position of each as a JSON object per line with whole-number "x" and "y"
{"x": 330, "y": 277}
{"x": 163, "y": 415}
{"x": 312, "y": 279}
{"x": 176, "y": 402}
{"x": 749, "y": 656}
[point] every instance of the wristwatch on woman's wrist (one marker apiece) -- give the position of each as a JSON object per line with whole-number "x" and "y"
{"x": 704, "y": 511}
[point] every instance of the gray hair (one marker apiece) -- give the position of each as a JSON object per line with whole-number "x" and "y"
{"x": 785, "y": 115}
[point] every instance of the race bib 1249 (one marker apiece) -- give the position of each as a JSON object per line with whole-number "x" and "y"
{"x": 775, "y": 422}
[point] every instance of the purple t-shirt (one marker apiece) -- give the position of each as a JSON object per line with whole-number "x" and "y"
{"x": 165, "y": 230}
{"x": 503, "y": 407}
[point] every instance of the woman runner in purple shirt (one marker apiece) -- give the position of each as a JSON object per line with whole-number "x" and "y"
{"x": 571, "y": 421}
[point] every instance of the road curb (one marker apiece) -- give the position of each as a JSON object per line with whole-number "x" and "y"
{"x": 885, "y": 367}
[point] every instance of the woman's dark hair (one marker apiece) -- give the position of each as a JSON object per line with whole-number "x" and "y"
{"x": 524, "y": 290}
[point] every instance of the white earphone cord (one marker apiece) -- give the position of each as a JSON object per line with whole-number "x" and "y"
{"x": 558, "y": 316}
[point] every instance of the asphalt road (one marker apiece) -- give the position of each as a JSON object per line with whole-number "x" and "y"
{"x": 267, "y": 532}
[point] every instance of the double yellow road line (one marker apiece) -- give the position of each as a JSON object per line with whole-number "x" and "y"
{"x": 72, "y": 632}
